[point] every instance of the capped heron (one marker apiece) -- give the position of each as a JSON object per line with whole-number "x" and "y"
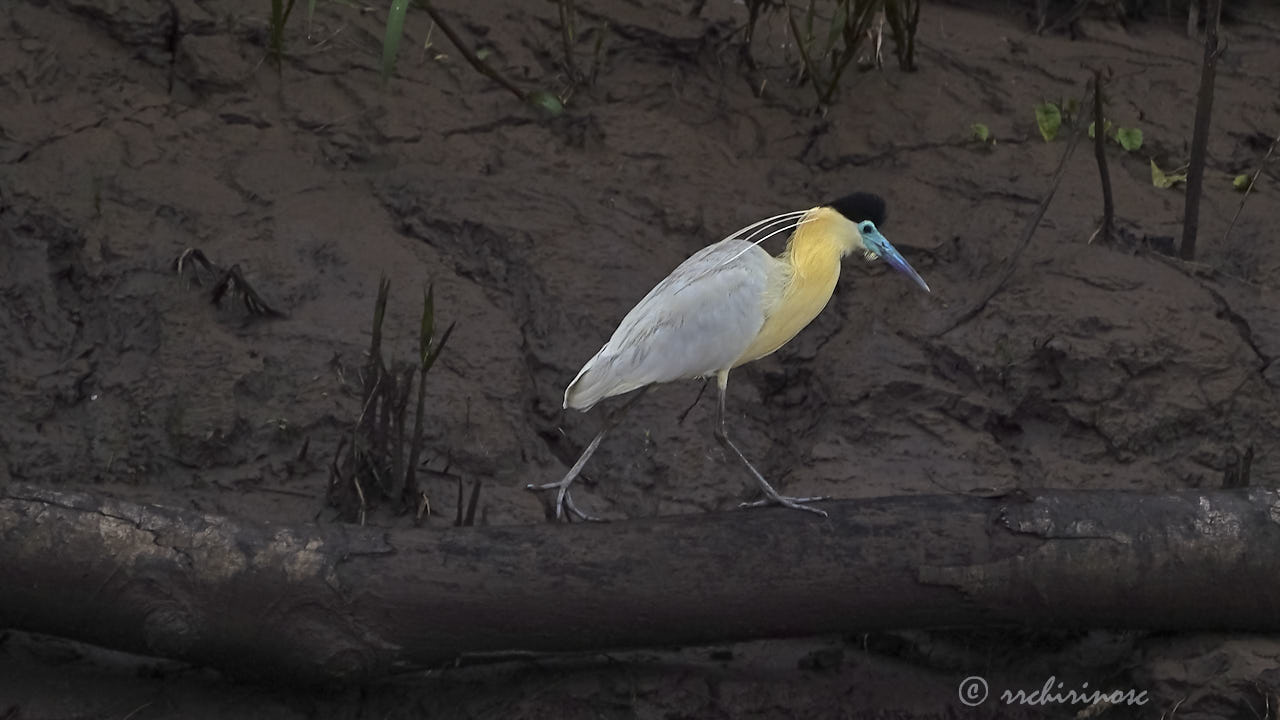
{"x": 728, "y": 304}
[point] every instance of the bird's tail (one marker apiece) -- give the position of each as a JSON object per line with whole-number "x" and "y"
{"x": 596, "y": 381}
{"x": 586, "y": 389}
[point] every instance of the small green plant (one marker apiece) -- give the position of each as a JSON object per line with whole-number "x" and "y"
{"x": 1242, "y": 182}
{"x": 568, "y": 20}
{"x": 545, "y": 100}
{"x": 227, "y": 282}
{"x": 825, "y": 61}
{"x": 1128, "y": 138}
{"x": 372, "y": 463}
{"x": 1048, "y": 120}
{"x": 279, "y": 18}
{"x": 391, "y": 39}
{"x": 396, "y": 17}
{"x": 903, "y": 17}
{"x": 1165, "y": 180}
{"x": 1050, "y": 117}
{"x": 981, "y": 133}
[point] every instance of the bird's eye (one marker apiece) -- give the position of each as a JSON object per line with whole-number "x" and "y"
{"x": 866, "y": 227}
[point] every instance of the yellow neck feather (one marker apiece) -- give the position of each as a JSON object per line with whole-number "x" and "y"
{"x": 806, "y": 277}
{"x": 818, "y": 244}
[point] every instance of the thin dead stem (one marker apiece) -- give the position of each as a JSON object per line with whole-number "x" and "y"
{"x": 1100, "y": 154}
{"x": 1011, "y": 262}
{"x": 1252, "y": 181}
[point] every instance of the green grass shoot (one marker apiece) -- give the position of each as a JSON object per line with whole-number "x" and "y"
{"x": 391, "y": 41}
{"x": 279, "y": 17}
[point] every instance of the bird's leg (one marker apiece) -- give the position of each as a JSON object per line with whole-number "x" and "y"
{"x": 563, "y": 499}
{"x": 771, "y": 496}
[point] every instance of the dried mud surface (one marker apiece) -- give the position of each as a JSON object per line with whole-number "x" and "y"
{"x": 131, "y": 130}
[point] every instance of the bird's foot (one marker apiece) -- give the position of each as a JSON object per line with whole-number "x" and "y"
{"x": 795, "y": 503}
{"x": 564, "y": 500}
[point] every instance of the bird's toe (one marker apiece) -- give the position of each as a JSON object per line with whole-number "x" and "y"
{"x": 795, "y": 503}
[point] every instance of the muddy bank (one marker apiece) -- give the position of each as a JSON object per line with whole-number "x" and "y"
{"x": 134, "y": 130}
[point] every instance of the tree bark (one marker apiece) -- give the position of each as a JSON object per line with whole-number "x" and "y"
{"x": 274, "y": 603}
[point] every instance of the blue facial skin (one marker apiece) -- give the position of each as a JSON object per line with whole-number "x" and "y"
{"x": 876, "y": 243}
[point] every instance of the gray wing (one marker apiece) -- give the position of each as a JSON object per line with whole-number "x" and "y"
{"x": 696, "y": 322}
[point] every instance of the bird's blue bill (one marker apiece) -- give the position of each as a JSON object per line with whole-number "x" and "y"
{"x": 876, "y": 243}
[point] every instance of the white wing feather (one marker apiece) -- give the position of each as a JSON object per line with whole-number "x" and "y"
{"x": 696, "y": 322}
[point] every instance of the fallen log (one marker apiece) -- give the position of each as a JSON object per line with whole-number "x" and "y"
{"x": 312, "y": 603}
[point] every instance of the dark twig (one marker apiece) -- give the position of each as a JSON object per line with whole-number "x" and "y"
{"x": 470, "y": 520}
{"x": 567, "y": 37}
{"x": 1065, "y": 19}
{"x": 903, "y": 17}
{"x": 1200, "y": 135}
{"x": 458, "y": 520}
{"x": 1100, "y": 153}
{"x": 228, "y": 282}
{"x": 480, "y": 65}
{"x": 1252, "y": 181}
{"x": 803, "y": 47}
{"x": 754, "y": 8}
{"x": 685, "y": 414}
{"x": 596, "y": 53}
{"x": 375, "y": 465}
{"x": 998, "y": 283}
{"x": 856, "y": 23}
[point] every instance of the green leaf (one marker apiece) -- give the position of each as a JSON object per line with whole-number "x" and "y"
{"x": 1164, "y": 180}
{"x": 391, "y": 41}
{"x": 279, "y": 16}
{"x": 981, "y": 132}
{"x": 1241, "y": 182}
{"x": 1129, "y": 138}
{"x": 1158, "y": 178}
{"x": 483, "y": 53}
{"x": 1106, "y": 125}
{"x": 545, "y": 101}
{"x": 432, "y": 356}
{"x": 1049, "y": 120}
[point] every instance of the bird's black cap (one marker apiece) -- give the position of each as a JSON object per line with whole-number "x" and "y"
{"x": 861, "y": 206}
